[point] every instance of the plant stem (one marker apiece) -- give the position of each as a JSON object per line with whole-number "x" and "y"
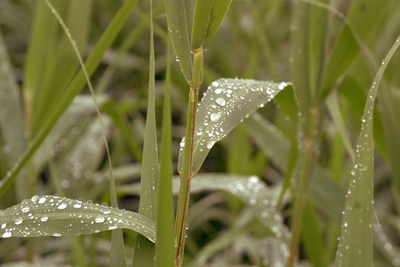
{"x": 301, "y": 194}
{"x": 186, "y": 174}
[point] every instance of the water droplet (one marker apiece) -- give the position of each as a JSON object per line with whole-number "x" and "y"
{"x": 218, "y": 91}
{"x": 44, "y": 219}
{"x": 112, "y": 227}
{"x": 7, "y": 235}
{"x": 210, "y": 144}
{"x": 25, "y": 209}
{"x": 215, "y": 117}
{"x": 62, "y": 206}
{"x": 42, "y": 200}
{"x": 18, "y": 220}
{"x": 56, "y": 234}
{"x": 34, "y": 198}
{"x": 99, "y": 219}
{"x": 215, "y": 84}
{"x": 220, "y": 101}
{"x": 4, "y": 225}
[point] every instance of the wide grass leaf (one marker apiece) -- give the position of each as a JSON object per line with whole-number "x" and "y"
{"x": 224, "y": 105}
{"x": 60, "y": 216}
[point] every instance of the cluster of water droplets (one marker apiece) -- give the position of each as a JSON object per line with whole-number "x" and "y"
{"x": 224, "y": 105}
{"x": 60, "y": 216}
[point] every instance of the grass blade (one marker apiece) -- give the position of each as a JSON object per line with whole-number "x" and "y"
{"x": 11, "y": 119}
{"x": 356, "y": 231}
{"x": 144, "y": 250}
{"x": 224, "y": 105}
{"x": 208, "y": 16}
{"x": 165, "y": 217}
{"x": 60, "y": 216}
{"x": 75, "y": 87}
{"x": 178, "y": 17}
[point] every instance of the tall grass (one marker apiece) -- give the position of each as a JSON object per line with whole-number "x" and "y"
{"x": 309, "y": 179}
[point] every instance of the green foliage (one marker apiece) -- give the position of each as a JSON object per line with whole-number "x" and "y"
{"x": 316, "y": 165}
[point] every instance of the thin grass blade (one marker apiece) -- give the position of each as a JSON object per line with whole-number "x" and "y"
{"x": 74, "y": 88}
{"x": 355, "y": 243}
{"x": 148, "y": 206}
{"x": 11, "y": 119}
{"x": 165, "y": 251}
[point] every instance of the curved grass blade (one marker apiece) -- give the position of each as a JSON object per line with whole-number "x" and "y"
{"x": 208, "y": 16}
{"x": 60, "y": 216}
{"x": 178, "y": 16}
{"x": 75, "y": 87}
{"x": 224, "y": 105}
{"x": 355, "y": 243}
{"x": 11, "y": 118}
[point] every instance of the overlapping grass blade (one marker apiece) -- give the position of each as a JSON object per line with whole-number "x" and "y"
{"x": 148, "y": 206}
{"x": 178, "y": 17}
{"x": 355, "y": 243}
{"x": 11, "y": 119}
{"x": 73, "y": 89}
{"x": 208, "y": 16}
{"x": 60, "y": 216}
{"x": 362, "y": 15}
{"x": 224, "y": 105}
{"x": 165, "y": 217}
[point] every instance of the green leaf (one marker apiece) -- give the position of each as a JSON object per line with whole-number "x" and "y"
{"x": 11, "y": 119}
{"x": 165, "y": 217}
{"x": 178, "y": 17}
{"x": 362, "y": 16}
{"x": 74, "y": 88}
{"x": 356, "y": 232}
{"x": 208, "y": 16}
{"x": 148, "y": 206}
{"x": 224, "y": 105}
{"x": 60, "y": 216}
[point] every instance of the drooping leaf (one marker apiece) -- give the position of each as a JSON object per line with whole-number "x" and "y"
{"x": 178, "y": 17}
{"x": 208, "y": 16}
{"x": 60, "y": 216}
{"x": 356, "y": 231}
{"x": 224, "y": 105}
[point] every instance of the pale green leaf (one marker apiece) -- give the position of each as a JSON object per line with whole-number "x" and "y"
{"x": 60, "y": 216}
{"x": 224, "y": 105}
{"x": 356, "y": 230}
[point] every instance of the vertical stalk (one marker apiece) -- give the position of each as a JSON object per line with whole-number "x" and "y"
{"x": 301, "y": 194}
{"x": 186, "y": 174}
